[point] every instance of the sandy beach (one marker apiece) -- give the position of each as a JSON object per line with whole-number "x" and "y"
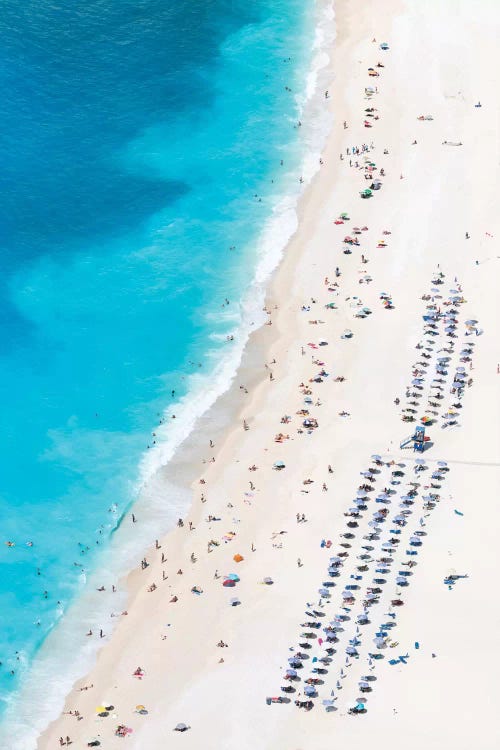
{"x": 340, "y": 348}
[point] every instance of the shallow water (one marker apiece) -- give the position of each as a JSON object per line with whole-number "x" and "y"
{"x": 142, "y": 149}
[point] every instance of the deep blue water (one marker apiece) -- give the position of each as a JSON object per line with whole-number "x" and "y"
{"x": 133, "y": 139}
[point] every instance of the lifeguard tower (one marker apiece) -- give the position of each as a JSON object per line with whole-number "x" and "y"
{"x": 418, "y": 439}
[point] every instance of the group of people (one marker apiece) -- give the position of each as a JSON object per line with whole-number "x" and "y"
{"x": 330, "y": 646}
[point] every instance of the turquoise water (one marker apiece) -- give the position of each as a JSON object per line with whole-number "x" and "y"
{"x": 141, "y": 152}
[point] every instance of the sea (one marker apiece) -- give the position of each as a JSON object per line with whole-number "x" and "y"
{"x": 152, "y": 156}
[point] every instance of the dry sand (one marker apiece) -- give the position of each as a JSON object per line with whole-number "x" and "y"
{"x": 442, "y": 60}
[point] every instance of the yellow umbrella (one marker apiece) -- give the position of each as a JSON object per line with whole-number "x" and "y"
{"x": 100, "y": 709}
{"x": 140, "y": 708}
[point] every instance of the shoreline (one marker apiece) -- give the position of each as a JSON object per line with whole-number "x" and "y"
{"x": 286, "y": 290}
{"x": 257, "y": 349}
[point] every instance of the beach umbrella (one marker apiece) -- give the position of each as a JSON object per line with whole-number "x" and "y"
{"x": 268, "y": 581}
{"x": 417, "y": 381}
{"x": 233, "y": 577}
{"x": 401, "y": 581}
{"x": 351, "y": 651}
{"x": 228, "y": 583}
{"x": 181, "y": 728}
{"x": 234, "y": 601}
{"x": 335, "y": 560}
{"x": 420, "y": 461}
{"x": 415, "y": 540}
{"x": 460, "y": 369}
{"x": 294, "y": 662}
{"x": 310, "y": 690}
{"x": 363, "y": 684}
{"x": 376, "y": 457}
{"x": 379, "y": 642}
{"x": 291, "y": 673}
{"x": 470, "y": 322}
{"x": 328, "y": 703}
{"x": 279, "y": 465}
{"x": 442, "y": 463}
{"x": 324, "y": 592}
{"x": 361, "y": 493}
{"x": 238, "y": 558}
